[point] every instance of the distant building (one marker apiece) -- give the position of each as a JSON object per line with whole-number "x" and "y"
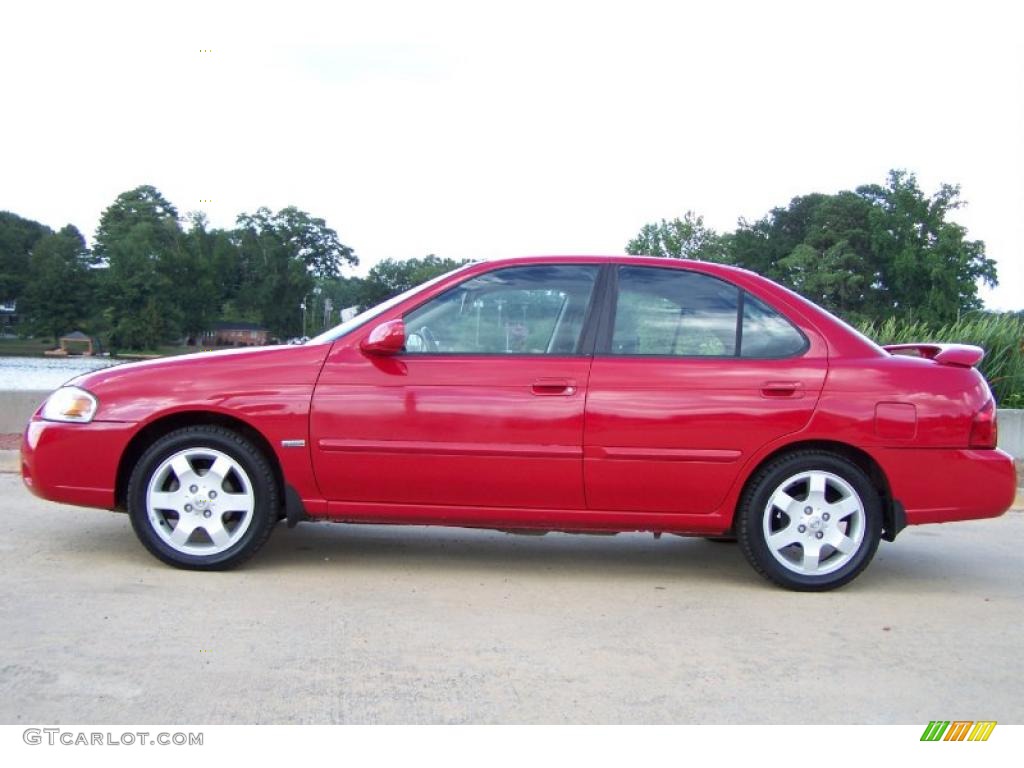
{"x": 8, "y": 315}
{"x": 236, "y": 335}
{"x": 74, "y": 343}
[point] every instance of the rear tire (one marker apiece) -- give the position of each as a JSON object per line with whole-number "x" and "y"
{"x": 810, "y": 521}
{"x": 203, "y": 498}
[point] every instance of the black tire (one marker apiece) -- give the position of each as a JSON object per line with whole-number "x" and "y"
{"x": 255, "y": 468}
{"x": 838, "y": 474}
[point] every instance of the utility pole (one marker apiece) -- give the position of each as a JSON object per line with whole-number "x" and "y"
{"x": 316, "y": 296}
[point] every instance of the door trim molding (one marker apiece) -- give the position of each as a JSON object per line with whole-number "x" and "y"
{"x": 433, "y": 448}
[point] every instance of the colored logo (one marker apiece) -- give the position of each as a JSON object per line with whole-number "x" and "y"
{"x": 958, "y": 730}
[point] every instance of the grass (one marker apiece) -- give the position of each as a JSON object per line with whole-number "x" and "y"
{"x": 24, "y": 347}
{"x": 13, "y": 347}
{"x": 165, "y": 350}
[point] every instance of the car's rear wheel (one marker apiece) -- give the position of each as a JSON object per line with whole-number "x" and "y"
{"x": 203, "y": 498}
{"x": 810, "y": 521}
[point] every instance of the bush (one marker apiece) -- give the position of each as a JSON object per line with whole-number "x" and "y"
{"x": 1001, "y": 336}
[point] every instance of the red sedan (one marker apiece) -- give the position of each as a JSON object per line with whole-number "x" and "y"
{"x": 570, "y": 394}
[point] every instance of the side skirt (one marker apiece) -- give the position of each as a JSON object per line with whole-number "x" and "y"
{"x": 506, "y": 518}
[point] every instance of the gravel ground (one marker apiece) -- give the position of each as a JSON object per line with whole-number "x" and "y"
{"x": 356, "y": 624}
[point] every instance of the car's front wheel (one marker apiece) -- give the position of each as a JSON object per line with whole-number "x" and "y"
{"x": 810, "y": 521}
{"x": 203, "y": 498}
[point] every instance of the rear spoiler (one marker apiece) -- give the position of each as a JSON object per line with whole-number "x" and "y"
{"x": 959, "y": 355}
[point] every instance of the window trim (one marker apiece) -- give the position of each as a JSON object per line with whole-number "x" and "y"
{"x": 606, "y": 326}
{"x": 587, "y": 338}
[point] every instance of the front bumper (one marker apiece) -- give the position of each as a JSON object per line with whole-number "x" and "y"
{"x": 74, "y": 463}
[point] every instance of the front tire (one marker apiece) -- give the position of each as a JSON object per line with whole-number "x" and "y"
{"x": 203, "y": 498}
{"x": 810, "y": 521}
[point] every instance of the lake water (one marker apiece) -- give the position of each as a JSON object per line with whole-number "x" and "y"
{"x": 26, "y": 373}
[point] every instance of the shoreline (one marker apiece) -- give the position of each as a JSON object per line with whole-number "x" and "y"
{"x": 106, "y": 356}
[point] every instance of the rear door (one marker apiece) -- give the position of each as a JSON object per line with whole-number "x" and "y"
{"x": 692, "y": 374}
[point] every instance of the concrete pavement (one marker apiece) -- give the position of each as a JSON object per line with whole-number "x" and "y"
{"x": 334, "y": 623}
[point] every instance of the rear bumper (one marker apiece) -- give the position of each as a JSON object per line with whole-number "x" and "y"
{"x": 74, "y": 463}
{"x": 943, "y": 485}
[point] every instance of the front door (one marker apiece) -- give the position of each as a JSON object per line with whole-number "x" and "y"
{"x": 483, "y": 409}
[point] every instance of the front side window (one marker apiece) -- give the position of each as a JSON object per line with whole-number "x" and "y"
{"x": 674, "y": 312}
{"x": 530, "y": 310}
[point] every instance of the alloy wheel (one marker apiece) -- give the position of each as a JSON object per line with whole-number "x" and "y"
{"x": 814, "y": 523}
{"x": 200, "y": 501}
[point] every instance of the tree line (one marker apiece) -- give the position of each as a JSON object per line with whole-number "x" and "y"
{"x": 877, "y": 252}
{"x": 154, "y": 276}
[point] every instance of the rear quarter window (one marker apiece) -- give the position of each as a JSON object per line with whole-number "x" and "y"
{"x": 767, "y": 334}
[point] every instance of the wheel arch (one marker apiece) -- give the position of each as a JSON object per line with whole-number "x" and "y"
{"x": 893, "y": 516}
{"x": 166, "y": 424}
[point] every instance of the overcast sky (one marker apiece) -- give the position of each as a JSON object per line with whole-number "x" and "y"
{"x": 477, "y": 130}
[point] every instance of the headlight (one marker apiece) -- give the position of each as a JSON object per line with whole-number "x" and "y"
{"x": 70, "y": 404}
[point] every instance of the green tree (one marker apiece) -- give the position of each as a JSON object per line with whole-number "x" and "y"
{"x": 140, "y": 240}
{"x": 209, "y": 263}
{"x": 282, "y": 255}
{"x": 685, "y": 238}
{"x": 143, "y": 206}
{"x": 880, "y": 251}
{"x": 17, "y": 238}
{"x": 391, "y": 277}
{"x": 927, "y": 268}
{"x": 761, "y": 246}
{"x": 833, "y": 263}
{"x": 59, "y": 289}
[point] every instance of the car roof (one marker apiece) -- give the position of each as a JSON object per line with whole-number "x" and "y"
{"x": 651, "y": 261}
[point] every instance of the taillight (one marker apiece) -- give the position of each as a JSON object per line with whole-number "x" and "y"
{"x": 984, "y": 433}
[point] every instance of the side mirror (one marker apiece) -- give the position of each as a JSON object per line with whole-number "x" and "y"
{"x": 386, "y": 339}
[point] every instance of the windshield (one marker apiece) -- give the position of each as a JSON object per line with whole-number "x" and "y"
{"x": 335, "y": 333}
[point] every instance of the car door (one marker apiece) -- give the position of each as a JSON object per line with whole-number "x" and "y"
{"x": 691, "y": 375}
{"x": 483, "y": 408}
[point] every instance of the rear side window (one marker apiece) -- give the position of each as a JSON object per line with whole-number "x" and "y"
{"x": 766, "y": 333}
{"x": 678, "y": 313}
{"x": 674, "y": 312}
